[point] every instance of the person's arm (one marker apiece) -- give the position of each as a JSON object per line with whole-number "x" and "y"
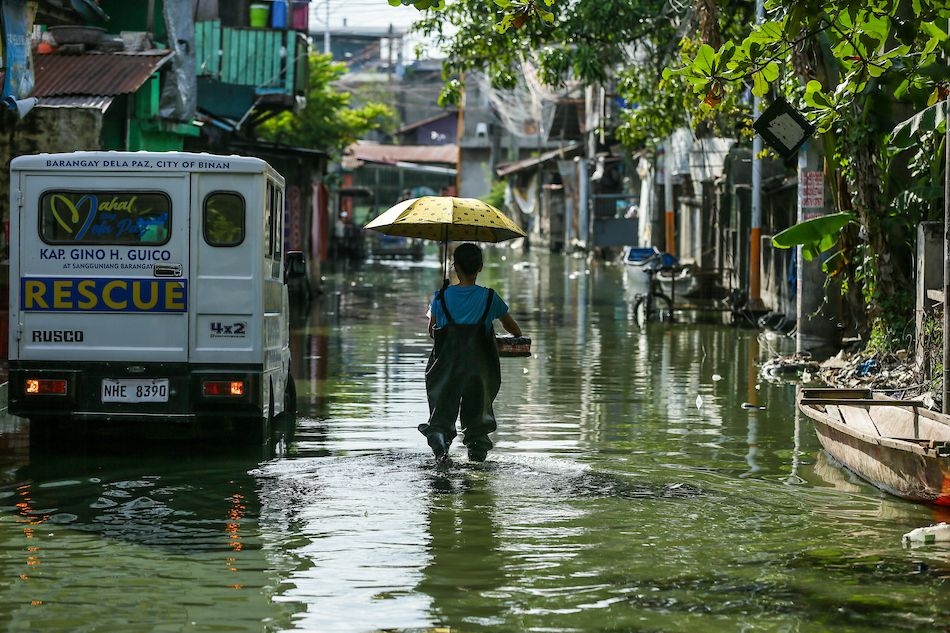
{"x": 511, "y": 326}
{"x": 431, "y": 325}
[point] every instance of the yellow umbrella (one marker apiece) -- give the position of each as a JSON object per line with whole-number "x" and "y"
{"x": 445, "y": 219}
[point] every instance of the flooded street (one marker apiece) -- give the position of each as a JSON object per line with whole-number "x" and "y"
{"x": 641, "y": 481}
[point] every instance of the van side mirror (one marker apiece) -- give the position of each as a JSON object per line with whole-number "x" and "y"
{"x": 295, "y": 264}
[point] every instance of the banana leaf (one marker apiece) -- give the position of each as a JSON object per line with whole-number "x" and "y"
{"x": 815, "y": 235}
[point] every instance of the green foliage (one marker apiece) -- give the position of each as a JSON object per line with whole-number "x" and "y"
{"x": 422, "y": 5}
{"x": 328, "y": 122}
{"x": 926, "y": 122}
{"x": 585, "y": 40}
{"x": 496, "y": 197}
{"x": 517, "y": 12}
{"x": 815, "y": 235}
{"x": 880, "y": 41}
{"x": 893, "y": 327}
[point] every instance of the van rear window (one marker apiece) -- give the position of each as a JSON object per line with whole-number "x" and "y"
{"x": 223, "y": 219}
{"x": 105, "y": 217}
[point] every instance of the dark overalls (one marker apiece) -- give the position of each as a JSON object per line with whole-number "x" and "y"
{"x": 463, "y": 377}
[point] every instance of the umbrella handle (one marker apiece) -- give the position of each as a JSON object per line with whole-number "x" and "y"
{"x": 445, "y": 261}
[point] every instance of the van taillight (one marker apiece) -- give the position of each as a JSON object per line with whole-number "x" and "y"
{"x": 44, "y": 387}
{"x": 225, "y": 388}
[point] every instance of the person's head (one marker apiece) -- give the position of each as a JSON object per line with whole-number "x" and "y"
{"x": 468, "y": 259}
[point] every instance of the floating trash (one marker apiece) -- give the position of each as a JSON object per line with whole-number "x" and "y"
{"x": 939, "y": 533}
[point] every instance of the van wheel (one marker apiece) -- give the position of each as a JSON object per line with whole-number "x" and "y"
{"x": 290, "y": 398}
{"x": 266, "y": 424}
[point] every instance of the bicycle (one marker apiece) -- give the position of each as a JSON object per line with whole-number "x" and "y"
{"x": 654, "y": 305}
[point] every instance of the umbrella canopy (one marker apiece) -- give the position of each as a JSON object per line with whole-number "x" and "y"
{"x": 446, "y": 218}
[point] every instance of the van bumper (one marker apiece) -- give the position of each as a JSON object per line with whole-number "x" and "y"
{"x": 77, "y": 391}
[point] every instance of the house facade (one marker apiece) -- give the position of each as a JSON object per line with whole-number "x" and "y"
{"x": 158, "y": 76}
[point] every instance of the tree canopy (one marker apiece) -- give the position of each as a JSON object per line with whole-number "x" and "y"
{"x": 857, "y": 68}
{"x": 327, "y": 122}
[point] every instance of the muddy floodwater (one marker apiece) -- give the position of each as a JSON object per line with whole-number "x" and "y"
{"x": 643, "y": 480}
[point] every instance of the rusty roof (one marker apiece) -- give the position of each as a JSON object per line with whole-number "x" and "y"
{"x": 94, "y": 102}
{"x": 375, "y": 153}
{"x": 568, "y": 151}
{"x": 432, "y": 119}
{"x": 100, "y": 74}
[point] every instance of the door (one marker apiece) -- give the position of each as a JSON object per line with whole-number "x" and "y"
{"x": 103, "y": 267}
{"x": 226, "y": 268}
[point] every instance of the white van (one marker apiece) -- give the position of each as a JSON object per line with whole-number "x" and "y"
{"x": 148, "y": 286}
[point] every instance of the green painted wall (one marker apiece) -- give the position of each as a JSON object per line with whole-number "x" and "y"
{"x": 133, "y": 16}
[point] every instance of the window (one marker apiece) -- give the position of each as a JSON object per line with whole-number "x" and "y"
{"x": 223, "y": 219}
{"x": 273, "y": 225}
{"x": 105, "y": 217}
{"x": 278, "y": 221}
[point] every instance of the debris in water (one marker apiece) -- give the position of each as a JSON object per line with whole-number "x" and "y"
{"x": 939, "y": 533}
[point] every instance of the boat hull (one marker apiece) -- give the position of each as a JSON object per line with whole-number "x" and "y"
{"x": 884, "y": 449}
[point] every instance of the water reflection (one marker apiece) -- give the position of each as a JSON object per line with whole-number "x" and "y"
{"x": 464, "y": 552}
{"x": 117, "y": 537}
{"x": 643, "y": 480}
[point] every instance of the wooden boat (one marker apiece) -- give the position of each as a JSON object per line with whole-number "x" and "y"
{"x": 899, "y": 446}
{"x": 639, "y": 256}
{"x": 677, "y": 281}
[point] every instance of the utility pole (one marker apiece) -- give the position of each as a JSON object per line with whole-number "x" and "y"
{"x": 755, "y": 231}
{"x": 326, "y": 30}
{"x": 669, "y": 216}
{"x": 460, "y": 134}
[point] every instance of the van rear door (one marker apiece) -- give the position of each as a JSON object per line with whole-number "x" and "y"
{"x": 226, "y": 269}
{"x": 103, "y": 267}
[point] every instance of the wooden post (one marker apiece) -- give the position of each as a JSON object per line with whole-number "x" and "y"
{"x": 946, "y": 262}
{"x": 670, "y": 217}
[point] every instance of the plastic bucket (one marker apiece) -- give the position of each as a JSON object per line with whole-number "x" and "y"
{"x": 300, "y": 16}
{"x": 278, "y": 14}
{"x": 259, "y": 15}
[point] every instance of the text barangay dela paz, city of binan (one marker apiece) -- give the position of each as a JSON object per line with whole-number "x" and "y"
{"x": 138, "y": 163}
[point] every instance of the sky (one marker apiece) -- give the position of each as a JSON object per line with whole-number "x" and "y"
{"x": 370, "y": 14}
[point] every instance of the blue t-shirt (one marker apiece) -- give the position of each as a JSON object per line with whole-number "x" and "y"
{"x": 466, "y": 305}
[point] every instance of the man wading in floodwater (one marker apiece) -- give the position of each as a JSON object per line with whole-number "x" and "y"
{"x": 464, "y": 374}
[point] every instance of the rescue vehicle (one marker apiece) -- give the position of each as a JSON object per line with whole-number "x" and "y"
{"x": 148, "y": 286}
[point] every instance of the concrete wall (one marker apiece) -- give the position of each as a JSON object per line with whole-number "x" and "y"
{"x": 929, "y": 273}
{"x": 42, "y": 130}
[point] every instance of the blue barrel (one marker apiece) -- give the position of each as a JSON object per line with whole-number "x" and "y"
{"x": 278, "y": 14}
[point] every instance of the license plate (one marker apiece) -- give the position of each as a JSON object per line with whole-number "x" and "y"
{"x": 135, "y": 390}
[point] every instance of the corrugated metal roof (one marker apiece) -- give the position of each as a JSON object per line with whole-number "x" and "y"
{"x": 431, "y": 119}
{"x": 391, "y": 154}
{"x": 100, "y": 74}
{"x": 79, "y": 101}
{"x": 568, "y": 151}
